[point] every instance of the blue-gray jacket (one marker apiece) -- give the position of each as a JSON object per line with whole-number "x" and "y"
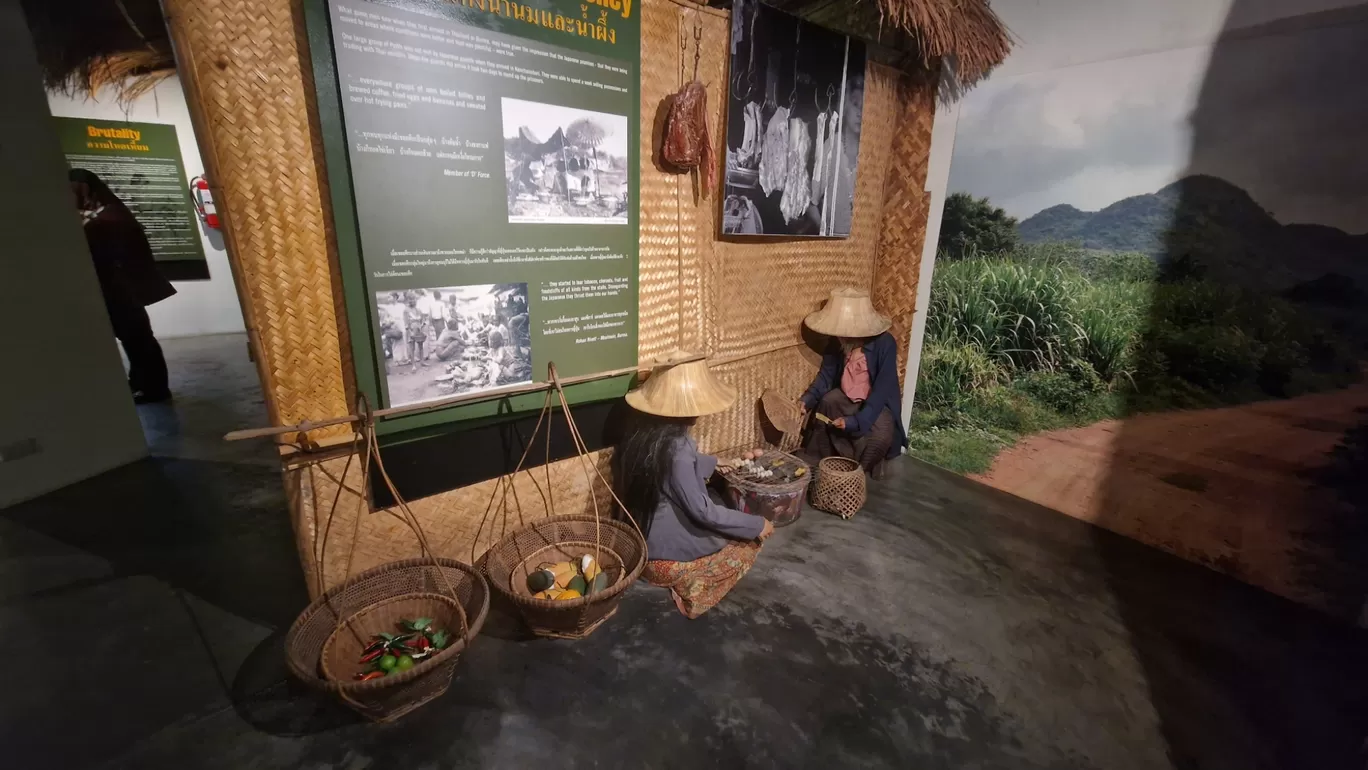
{"x": 687, "y": 524}
{"x": 881, "y": 353}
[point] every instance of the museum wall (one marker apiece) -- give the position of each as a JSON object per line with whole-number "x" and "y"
{"x": 65, "y": 411}
{"x": 741, "y": 304}
{"x": 199, "y": 306}
{"x": 1148, "y": 303}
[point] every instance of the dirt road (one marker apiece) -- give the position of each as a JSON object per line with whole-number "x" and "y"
{"x": 1230, "y": 488}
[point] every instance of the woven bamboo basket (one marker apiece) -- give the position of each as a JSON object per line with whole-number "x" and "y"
{"x": 324, "y": 643}
{"x": 346, "y": 645}
{"x": 618, "y": 549}
{"x": 840, "y": 486}
{"x": 323, "y": 646}
{"x": 779, "y": 500}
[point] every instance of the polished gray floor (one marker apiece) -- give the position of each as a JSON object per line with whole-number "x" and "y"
{"x": 946, "y": 625}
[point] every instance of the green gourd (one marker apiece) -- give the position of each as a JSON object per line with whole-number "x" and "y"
{"x": 540, "y": 580}
{"x": 600, "y": 583}
{"x": 577, "y": 584}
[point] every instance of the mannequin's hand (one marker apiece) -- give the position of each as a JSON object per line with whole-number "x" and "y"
{"x": 839, "y": 423}
{"x": 766, "y": 531}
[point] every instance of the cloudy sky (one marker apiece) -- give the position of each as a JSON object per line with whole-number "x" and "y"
{"x": 1279, "y": 109}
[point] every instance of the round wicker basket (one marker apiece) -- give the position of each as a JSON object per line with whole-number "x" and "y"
{"x": 840, "y": 486}
{"x": 566, "y": 551}
{"x": 366, "y": 599}
{"x": 342, "y": 651}
{"x": 622, "y": 556}
{"x": 779, "y": 501}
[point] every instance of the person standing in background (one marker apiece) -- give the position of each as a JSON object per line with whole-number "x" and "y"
{"x": 437, "y": 313}
{"x": 129, "y": 281}
{"x": 416, "y": 324}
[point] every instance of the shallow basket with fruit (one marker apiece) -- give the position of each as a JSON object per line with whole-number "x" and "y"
{"x": 532, "y": 568}
{"x": 387, "y": 640}
{"x": 559, "y": 546}
{"x": 327, "y": 643}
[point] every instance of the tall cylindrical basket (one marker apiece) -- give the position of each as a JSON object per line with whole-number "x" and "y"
{"x": 839, "y": 487}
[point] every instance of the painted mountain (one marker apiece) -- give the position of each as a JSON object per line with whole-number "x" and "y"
{"x": 1215, "y": 224}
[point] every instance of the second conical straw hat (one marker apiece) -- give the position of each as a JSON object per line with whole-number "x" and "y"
{"x": 681, "y": 385}
{"x": 848, "y": 313}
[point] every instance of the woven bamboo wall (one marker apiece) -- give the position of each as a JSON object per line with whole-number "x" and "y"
{"x": 250, "y": 88}
{"x": 249, "y": 84}
{"x": 906, "y": 205}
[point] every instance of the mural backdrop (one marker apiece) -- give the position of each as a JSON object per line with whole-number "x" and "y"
{"x": 1150, "y": 306}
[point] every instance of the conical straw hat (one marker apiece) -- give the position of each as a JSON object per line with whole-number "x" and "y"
{"x": 848, "y": 313}
{"x": 681, "y": 385}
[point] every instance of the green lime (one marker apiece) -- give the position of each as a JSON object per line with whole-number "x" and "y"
{"x": 388, "y": 662}
{"x": 405, "y": 663}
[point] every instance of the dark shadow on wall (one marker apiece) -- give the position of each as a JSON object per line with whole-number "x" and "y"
{"x": 1246, "y": 440}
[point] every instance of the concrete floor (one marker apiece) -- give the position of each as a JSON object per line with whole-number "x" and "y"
{"x": 947, "y": 625}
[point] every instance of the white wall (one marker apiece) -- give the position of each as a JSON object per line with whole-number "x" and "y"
{"x": 199, "y": 307}
{"x": 63, "y": 385}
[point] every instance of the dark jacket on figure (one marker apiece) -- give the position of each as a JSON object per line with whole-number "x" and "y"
{"x": 124, "y": 263}
{"x": 881, "y": 353}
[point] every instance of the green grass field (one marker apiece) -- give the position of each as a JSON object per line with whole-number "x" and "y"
{"x": 1051, "y": 336}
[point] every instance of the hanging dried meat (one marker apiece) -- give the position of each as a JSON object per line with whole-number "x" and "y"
{"x": 819, "y": 159}
{"x": 774, "y": 153}
{"x": 687, "y": 145}
{"x": 797, "y": 187}
{"x": 748, "y": 155}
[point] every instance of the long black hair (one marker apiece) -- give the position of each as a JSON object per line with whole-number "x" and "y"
{"x": 100, "y": 192}
{"x": 642, "y": 460}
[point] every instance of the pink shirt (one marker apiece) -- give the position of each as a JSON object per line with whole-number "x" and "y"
{"x": 855, "y": 378}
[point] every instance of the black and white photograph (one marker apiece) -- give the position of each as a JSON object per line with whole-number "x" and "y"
{"x": 453, "y": 340}
{"x": 565, "y": 165}
{"x": 795, "y": 102}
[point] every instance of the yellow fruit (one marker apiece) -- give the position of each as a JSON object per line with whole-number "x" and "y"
{"x": 564, "y": 572}
{"x": 593, "y": 571}
{"x": 567, "y": 595}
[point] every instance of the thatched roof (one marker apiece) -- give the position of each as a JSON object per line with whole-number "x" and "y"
{"x": 85, "y": 45}
{"x": 916, "y": 33}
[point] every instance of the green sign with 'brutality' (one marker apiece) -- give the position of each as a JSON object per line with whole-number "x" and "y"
{"x": 493, "y": 152}
{"x": 141, "y": 163}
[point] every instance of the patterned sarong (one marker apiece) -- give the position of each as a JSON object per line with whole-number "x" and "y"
{"x": 697, "y": 586}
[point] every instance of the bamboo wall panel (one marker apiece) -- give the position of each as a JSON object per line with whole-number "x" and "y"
{"x": 906, "y": 205}
{"x": 245, "y": 63}
{"x": 251, "y": 90}
{"x": 453, "y": 521}
{"x": 660, "y": 305}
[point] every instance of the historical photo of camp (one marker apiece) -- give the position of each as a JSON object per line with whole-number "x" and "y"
{"x": 795, "y": 102}
{"x": 452, "y": 340}
{"x": 565, "y": 165}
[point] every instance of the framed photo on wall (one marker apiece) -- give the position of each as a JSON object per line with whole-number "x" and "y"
{"x": 795, "y": 103}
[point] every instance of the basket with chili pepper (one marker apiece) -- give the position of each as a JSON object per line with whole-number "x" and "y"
{"x": 396, "y": 653}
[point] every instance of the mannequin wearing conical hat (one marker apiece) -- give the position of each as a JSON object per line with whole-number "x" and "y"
{"x": 696, "y": 547}
{"x": 856, "y": 390}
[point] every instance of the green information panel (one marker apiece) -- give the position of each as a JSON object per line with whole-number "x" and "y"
{"x": 141, "y": 163}
{"x": 492, "y": 148}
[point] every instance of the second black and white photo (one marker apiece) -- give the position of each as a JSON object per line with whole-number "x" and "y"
{"x": 452, "y": 340}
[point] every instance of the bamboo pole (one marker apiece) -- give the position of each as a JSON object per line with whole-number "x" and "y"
{"x": 395, "y": 411}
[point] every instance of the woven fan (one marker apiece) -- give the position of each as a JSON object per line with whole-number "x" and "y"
{"x": 782, "y": 412}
